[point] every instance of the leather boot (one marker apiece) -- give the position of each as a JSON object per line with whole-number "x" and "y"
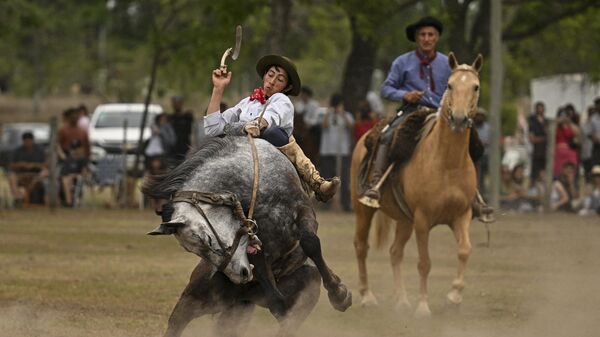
{"x": 371, "y": 196}
{"x": 324, "y": 189}
{"x": 481, "y": 210}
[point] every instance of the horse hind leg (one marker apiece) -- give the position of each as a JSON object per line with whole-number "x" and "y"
{"x": 461, "y": 233}
{"x": 303, "y": 287}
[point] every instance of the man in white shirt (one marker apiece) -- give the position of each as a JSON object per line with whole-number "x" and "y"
{"x": 271, "y": 102}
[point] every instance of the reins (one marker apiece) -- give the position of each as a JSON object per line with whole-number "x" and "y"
{"x": 248, "y": 225}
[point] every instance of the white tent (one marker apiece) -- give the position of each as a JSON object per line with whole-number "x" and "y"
{"x": 558, "y": 90}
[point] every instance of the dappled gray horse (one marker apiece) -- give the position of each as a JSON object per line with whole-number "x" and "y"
{"x": 207, "y": 190}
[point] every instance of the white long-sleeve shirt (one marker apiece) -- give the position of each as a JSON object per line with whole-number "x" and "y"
{"x": 280, "y": 112}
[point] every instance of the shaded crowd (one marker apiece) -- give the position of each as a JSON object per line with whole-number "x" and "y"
{"x": 575, "y": 170}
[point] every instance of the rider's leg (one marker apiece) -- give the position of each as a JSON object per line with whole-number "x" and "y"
{"x": 324, "y": 189}
{"x": 481, "y": 210}
{"x": 379, "y": 165}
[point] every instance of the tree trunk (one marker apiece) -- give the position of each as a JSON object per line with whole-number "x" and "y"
{"x": 280, "y": 25}
{"x": 359, "y": 68}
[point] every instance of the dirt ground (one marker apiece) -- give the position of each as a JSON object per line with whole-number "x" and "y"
{"x": 95, "y": 273}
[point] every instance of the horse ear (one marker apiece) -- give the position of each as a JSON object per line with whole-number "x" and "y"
{"x": 478, "y": 63}
{"x": 452, "y": 61}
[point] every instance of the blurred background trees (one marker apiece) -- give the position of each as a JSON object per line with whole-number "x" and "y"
{"x": 108, "y": 48}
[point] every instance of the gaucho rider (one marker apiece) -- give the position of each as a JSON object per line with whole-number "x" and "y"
{"x": 280, "y": 80}
{"x": 417, "y": 78}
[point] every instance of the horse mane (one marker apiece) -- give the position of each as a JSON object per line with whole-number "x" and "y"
{"x": 162, "y": 186}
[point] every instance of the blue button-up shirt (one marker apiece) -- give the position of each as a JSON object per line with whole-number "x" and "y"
{"x": 279, "y": 112}
{"x": 405, "y": 76}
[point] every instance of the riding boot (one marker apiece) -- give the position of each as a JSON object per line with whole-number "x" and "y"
{"x": 371, "y": 196}
{"x": 481, "y": 210}
{"x": 324, "y": 188}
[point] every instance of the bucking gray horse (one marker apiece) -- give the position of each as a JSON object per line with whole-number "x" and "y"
{"x": 209, "y": 193}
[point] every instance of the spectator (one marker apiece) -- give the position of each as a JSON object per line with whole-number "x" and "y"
{"x": 591, "y": 201}
{"x": 587, "y": 144}
{"x": 514, "y": 194}
{"x": 367, "y": 118}
{"x": 181, "y": 121}
{"x": 84, "y": 117}
{"x": 538, "y": 128}
{"x": 484, "y": 131}
{"x": 537, "y": 191}
{"x": 594, "y": 133}
{"x": 565, "y": 193}
{"x": 160, "y": 143}
{"x": 336, "y": 145}
{"x": 28, "y": 172}
{"x": 307, "y": 123}
{"x": 74, "y": 152}
{"x": 566, "y": 142}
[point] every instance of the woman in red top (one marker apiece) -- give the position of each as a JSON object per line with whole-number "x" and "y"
{"x": 366, "y": 120}
{"x": 566, "y": 139}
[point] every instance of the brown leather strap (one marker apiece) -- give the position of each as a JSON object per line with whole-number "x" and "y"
{"x": 255, "y": 179}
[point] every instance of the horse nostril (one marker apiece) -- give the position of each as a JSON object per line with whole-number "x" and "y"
{"x": 244, "y": 273}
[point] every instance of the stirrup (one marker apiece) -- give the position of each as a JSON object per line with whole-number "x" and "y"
{"x": 370, "y": 198}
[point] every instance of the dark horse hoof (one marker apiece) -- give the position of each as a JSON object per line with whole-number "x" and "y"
{"x": 340, "y": 298}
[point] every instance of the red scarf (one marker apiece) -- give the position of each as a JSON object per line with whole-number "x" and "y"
{"x": 259, "y": 95}
{"x": 424, "y": 63}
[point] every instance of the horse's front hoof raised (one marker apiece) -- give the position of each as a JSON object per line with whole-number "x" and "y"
{"x": 341, "y": 298}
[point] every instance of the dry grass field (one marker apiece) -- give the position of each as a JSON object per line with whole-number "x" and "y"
{"x": 95, "y": 273}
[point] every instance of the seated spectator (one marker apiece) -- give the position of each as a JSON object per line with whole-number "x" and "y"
{"x": 28, "y": 172}
{"x": 514, "y": 195}
{"x": 565, "y": 193}
{"x": 537, "y": 191}
{"x": 591, "y": 202}
{"x": 74, "y": 152}
{"x": 367, "y": 118}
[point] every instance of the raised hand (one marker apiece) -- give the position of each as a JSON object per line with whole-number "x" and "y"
{"x": 221, "y": 78}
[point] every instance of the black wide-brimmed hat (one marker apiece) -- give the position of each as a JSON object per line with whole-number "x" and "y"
{"x": 267, "y": 61}
{"x": 427, "y": 21}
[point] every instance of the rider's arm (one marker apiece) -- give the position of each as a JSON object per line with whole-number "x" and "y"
{"x": 215, "y": 123}
{"x": 390, "y": 89}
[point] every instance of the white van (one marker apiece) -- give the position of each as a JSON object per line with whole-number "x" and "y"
{"x": 106, "y": 129}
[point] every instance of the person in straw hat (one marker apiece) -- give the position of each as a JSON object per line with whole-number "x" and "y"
{"x": 268, "y": 114}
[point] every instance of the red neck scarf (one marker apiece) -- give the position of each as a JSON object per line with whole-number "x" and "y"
{"x": 424, "y": 63}
{"x": 259, "y": 95}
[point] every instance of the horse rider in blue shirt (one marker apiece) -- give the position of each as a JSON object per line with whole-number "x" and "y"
{"x": 269, "y": 114}
{"x": 417, "y": 78}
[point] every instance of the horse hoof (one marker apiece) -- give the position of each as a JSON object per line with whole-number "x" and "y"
{"x": 368, "y": 300}
{"x": 454, "y": 297}
{"x": 423, "y": 311}
{"x": 340, "y": 299}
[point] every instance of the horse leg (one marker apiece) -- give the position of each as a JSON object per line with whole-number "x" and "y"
{"x": 460, "y": 227}
{"x": 403, "y": 234}
{"x": 424, "y": 265}
{"x": 234, "y": 320}
{"x": 201, "y": 296}
{"x": 303, "y": 287}
{"x": 364, "y": 215}
{"x": 339, "y": 296}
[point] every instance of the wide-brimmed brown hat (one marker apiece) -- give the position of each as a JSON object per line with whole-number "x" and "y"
{"x": 427, "y": 21}
{"x": 267, "y": 61}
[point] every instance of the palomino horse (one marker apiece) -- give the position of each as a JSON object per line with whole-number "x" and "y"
{"x": 439, "y": 185}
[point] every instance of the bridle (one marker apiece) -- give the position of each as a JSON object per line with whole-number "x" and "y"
{"x": 450, "y": 116}
{"x": 248, "y": 225}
